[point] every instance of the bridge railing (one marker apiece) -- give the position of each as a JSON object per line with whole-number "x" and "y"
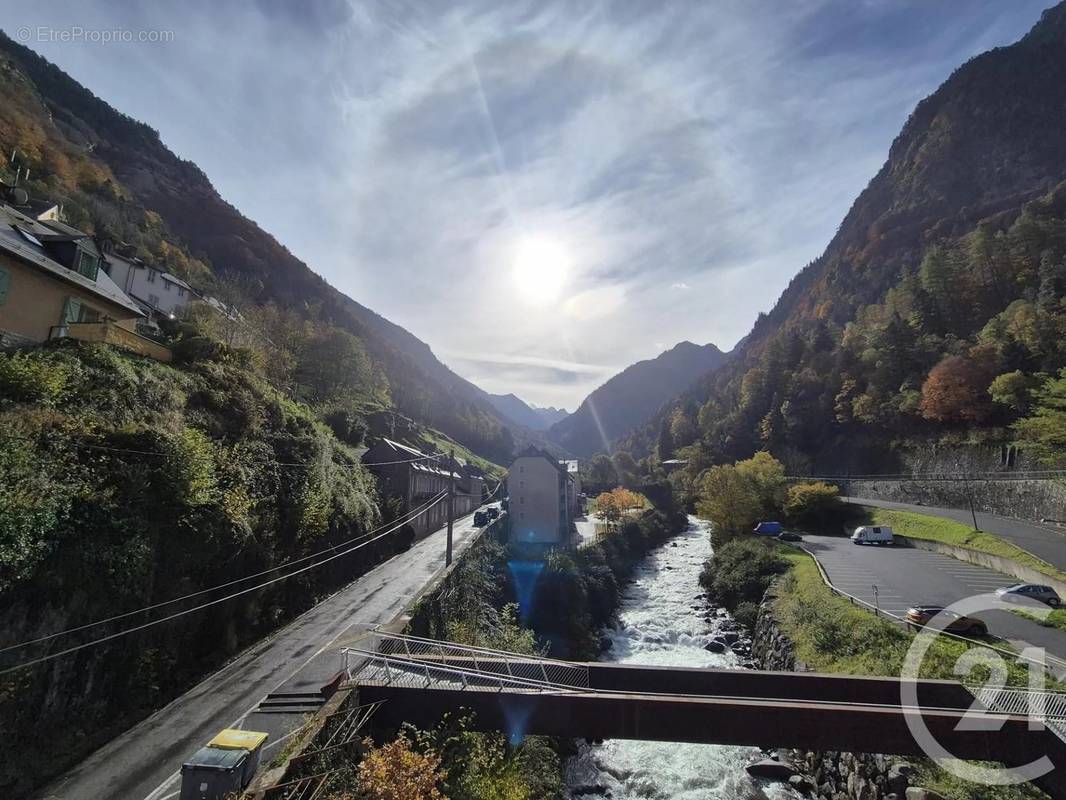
{"x": 397, "y": 659}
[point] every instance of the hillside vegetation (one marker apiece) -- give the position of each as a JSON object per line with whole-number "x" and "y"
{"x": 128, "y": 482}
{"x": 937, "y": 311}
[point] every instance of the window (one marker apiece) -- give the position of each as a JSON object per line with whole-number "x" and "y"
{"x": 87, "y": 264}
{"x": 151, "y": 276}
{"x": 153, "y": 299}
{"x": 181, "y": 291}
{"x": 5, "y": 284}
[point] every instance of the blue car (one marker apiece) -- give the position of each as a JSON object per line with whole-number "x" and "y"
{"x": 767, "y": 529}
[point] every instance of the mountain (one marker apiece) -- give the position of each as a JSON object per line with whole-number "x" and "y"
{"x": 117, "y": 180}
{"x": 550, "y": 415}
{"x": 938, "y": 304}
{"x": 526, "y": 414}
{"x": 632, "y": 396}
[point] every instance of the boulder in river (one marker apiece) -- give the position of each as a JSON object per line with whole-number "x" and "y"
{"x": 606, "y": 643}
{"x": 715, "y": 646}
{"x": 729, "y": 637}
{"x": 771, "y": 770}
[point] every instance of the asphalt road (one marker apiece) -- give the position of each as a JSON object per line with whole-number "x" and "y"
{"x": 907, "y": 576}
{"x": 1044, "y": 541}
{"x": 145, "y": 761}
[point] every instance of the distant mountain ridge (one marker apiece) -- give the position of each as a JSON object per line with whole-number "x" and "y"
{"x": 632, "y": 396}
{"x": 526, "y": 414}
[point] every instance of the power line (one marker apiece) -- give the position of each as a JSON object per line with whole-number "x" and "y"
{"x": 412, "y": 514}
{"x": 200, "y": 607}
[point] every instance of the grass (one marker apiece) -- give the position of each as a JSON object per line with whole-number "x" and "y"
{"x": 442, "y": 442}
{"x": 831, "y": 635}
{"x": 946, "y": 531}
{"x": 1056, "y": 619}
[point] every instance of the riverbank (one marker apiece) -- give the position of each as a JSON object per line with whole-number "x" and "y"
{"x": 663, "y": 620}
{"x": 801, "y": 625}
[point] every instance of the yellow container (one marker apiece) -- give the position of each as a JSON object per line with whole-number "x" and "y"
{"x": 235, "y": 739}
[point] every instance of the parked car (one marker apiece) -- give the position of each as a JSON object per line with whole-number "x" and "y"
{"x": 919, "y": 616}
{"x": 872, "y": 534}
{"x": 1032, "y": 591}
{"x": 767, "y": 529}
{"x": 481, "y": 519}
{"x": 789, "y": 536}
{"x": 493, "y": 512}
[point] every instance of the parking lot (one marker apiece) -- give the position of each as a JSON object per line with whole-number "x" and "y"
{"x": 905, "y": 577}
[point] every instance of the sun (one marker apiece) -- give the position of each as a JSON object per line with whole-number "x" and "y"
{"x": 541, "y": 267}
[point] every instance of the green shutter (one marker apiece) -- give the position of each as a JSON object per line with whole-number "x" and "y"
{"x": 5, "y": 283}
{"x": 71, "y": 311}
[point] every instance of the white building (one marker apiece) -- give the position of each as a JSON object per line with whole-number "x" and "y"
{"x": 159, "y": 293}
{"x": 540, "y": 504}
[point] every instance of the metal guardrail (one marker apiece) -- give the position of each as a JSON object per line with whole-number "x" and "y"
{"x": 1060, "y": 663}
{"x": 392, "y": 659}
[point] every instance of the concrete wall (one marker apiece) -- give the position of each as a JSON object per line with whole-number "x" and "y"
{"x": 1023, "y": 573}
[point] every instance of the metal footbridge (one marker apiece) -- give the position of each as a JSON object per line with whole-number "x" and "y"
{"x": 418, "y": 680}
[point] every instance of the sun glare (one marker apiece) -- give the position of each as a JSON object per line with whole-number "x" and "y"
{"x": 540, "y": 270}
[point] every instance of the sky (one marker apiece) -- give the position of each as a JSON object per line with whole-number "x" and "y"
{"x": 545, "y": 192}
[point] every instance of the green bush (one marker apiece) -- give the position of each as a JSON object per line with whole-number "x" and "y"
{"x": 740, "y": 571}
{"x": 40, "y": 377}
{"x": 812, "y": 503}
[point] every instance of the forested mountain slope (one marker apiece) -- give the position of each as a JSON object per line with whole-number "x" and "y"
{"x": 633, "y": 395}
{"x": 937, "y": 308}
{"x": 118, "y": 180}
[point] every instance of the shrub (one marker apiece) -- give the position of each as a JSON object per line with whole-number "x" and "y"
{"x": 812, "y": 502}
{"x": 741, "y": 571}
{"x": 395, "y": 771}
{"x": 37, "y": 376}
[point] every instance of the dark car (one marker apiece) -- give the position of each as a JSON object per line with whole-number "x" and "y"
{"x": 481, "y": 519}
{"x": 493, "y": 512}
{"x": 789, "y": 536}
{"x": 1030, "y": 591}
{"x": 919, "y": 617}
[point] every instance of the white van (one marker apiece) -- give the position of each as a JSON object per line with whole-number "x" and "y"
{"x": 872, "y": 534}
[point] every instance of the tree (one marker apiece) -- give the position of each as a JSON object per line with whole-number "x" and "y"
{"x": 766, "y": 477}
{"x": 682, "y": 428}
{"x": 812, "y": 502}
{"x": 1043, "y": 433}
{"x": 612, "y": 506}
{"x": 665, "y": 446}
{"x": 956, "y": 391}
{"x": 727, "y": 501}
{"x": 1012, "y": 389}
{"x": 395, "y": 771}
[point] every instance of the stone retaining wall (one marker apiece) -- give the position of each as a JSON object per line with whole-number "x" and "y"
{"x": 829, "y": 775}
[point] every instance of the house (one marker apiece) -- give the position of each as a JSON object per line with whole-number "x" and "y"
{"x": 158, "y": 293}
{"x": 541, "y": 503}
{"x": 415, "y": 478}
{"x": 574, "y": 495}
{"x": 51, "y": 285}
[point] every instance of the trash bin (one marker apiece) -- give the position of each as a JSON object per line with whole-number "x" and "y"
{"x": 236, "y": 739}
{"x": 213, "y": 774}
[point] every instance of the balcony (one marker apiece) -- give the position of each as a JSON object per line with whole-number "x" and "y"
{"x": 109, "y": 333}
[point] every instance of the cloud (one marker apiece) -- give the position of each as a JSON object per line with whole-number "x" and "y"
{"x": 690, "y": 162}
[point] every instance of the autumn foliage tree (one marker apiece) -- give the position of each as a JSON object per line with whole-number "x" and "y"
{"x": 396, "y": 771}
{"x": 612, "y": 506}
{"x": 957, "y": 391}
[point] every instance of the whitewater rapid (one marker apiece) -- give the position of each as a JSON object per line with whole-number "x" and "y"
{"x": 662, "y": 622}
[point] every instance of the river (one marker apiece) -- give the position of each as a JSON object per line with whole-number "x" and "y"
{"x": 658, "y": 625}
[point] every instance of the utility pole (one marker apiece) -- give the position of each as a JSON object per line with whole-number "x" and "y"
{"x": 451, "y": 507}
{"x": 973, "y": 513}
